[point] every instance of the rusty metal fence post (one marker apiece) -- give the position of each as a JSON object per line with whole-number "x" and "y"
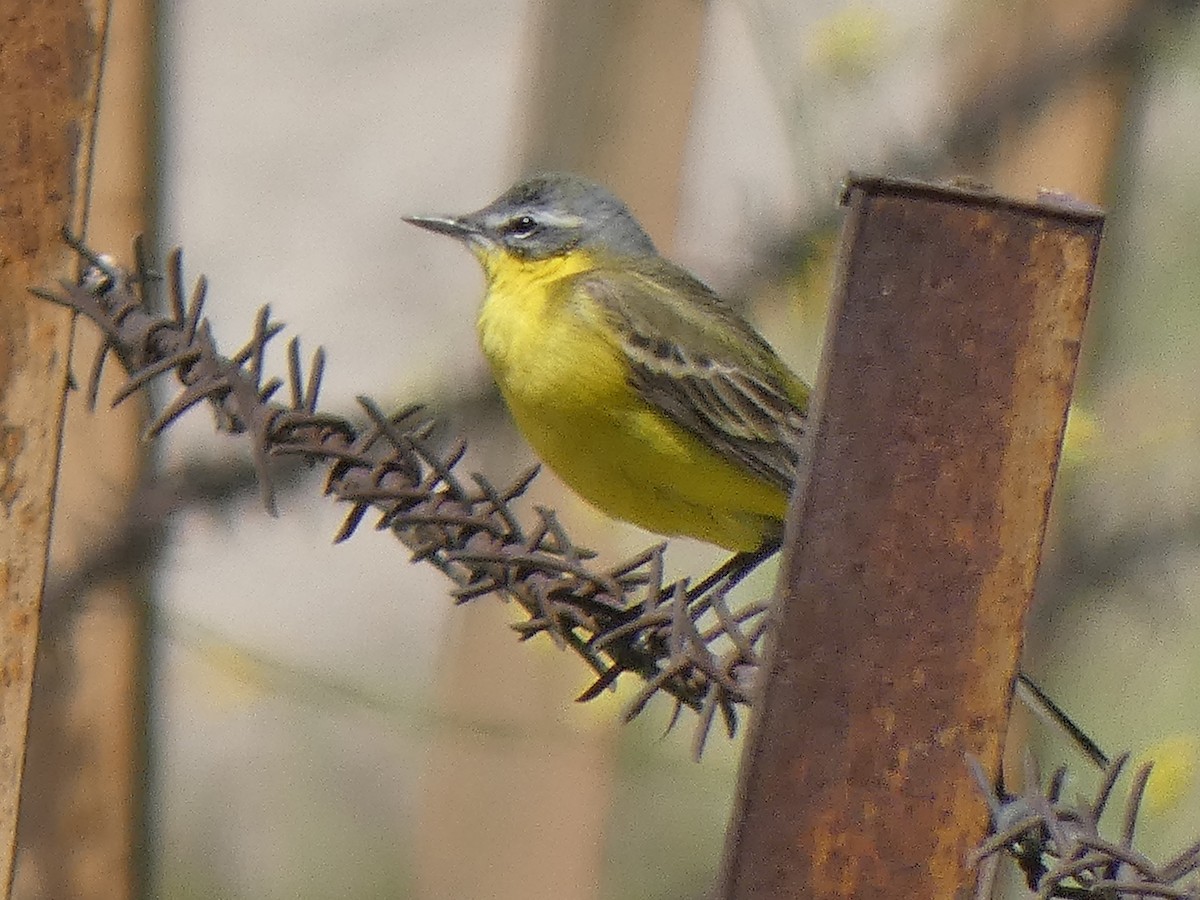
{"x": 914, "y": 544}
{"x": 49, "y": 77}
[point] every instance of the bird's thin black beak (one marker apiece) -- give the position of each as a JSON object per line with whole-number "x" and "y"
{"x": 449, "y": 225}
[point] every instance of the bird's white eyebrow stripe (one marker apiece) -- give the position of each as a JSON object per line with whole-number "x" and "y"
{"x": 564, "y": 220}
{"x": 546, "y": 217}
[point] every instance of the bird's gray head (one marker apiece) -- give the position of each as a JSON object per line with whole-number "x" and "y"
{"x": 547, "y": 216}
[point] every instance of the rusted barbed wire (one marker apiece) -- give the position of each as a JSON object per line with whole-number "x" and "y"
{"x": 1059, "y": 846}
{"x": 691, "y": 645}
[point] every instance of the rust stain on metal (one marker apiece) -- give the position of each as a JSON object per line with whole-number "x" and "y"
{"x": 12, "y": 441}
{"x": 914, "y": 544}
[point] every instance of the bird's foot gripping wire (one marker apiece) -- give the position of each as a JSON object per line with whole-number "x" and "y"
{"x": 698, "y": 639}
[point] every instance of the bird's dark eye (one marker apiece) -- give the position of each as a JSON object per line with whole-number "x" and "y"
{"x": 522, "y": 226}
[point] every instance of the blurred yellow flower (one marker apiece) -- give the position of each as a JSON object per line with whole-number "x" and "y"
{"x": 848, "y": 43}
{"x": 1173, "y": 778}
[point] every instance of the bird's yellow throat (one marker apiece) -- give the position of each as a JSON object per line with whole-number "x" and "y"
{"x": 520, "y": 304}
{"x": 512, "y": 276}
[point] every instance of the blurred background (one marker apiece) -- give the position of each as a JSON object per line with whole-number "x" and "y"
{"x": 229, "y": 706}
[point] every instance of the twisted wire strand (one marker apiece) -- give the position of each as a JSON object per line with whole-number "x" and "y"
{"x": 1059, "y": 846}
{"x": 696, "y": 648}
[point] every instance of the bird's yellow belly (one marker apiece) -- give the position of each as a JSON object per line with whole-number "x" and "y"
{"x": 568, "y": 390}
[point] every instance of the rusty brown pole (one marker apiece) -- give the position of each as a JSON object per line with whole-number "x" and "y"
{"x": 49, "y": 65}
{"x": 82, "y": 794}
{"x": 914, "y": 543}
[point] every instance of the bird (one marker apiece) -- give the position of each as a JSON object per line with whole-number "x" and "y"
{"x": 644, "y": 391}
{"x": 649, "y": 395}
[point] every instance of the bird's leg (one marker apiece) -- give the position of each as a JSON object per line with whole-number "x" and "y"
{"x": 734, "y": 569}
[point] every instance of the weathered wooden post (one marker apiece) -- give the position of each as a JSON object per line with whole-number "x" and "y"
{"x": 914, "y": 543}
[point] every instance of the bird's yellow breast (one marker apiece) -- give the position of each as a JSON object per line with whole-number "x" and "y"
{"x": 566, "y": 381}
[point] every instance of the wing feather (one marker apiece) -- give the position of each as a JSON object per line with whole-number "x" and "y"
{"x": 698, "y": 362}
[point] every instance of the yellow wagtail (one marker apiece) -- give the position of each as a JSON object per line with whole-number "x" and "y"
{"x": 642, "y": 389}
{"x": 639, "y": 386}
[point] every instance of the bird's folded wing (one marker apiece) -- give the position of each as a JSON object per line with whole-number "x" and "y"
{"x": 693, "y": 359}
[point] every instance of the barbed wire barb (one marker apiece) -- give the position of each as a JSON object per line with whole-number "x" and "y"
{"x": 1060, "y": 848}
